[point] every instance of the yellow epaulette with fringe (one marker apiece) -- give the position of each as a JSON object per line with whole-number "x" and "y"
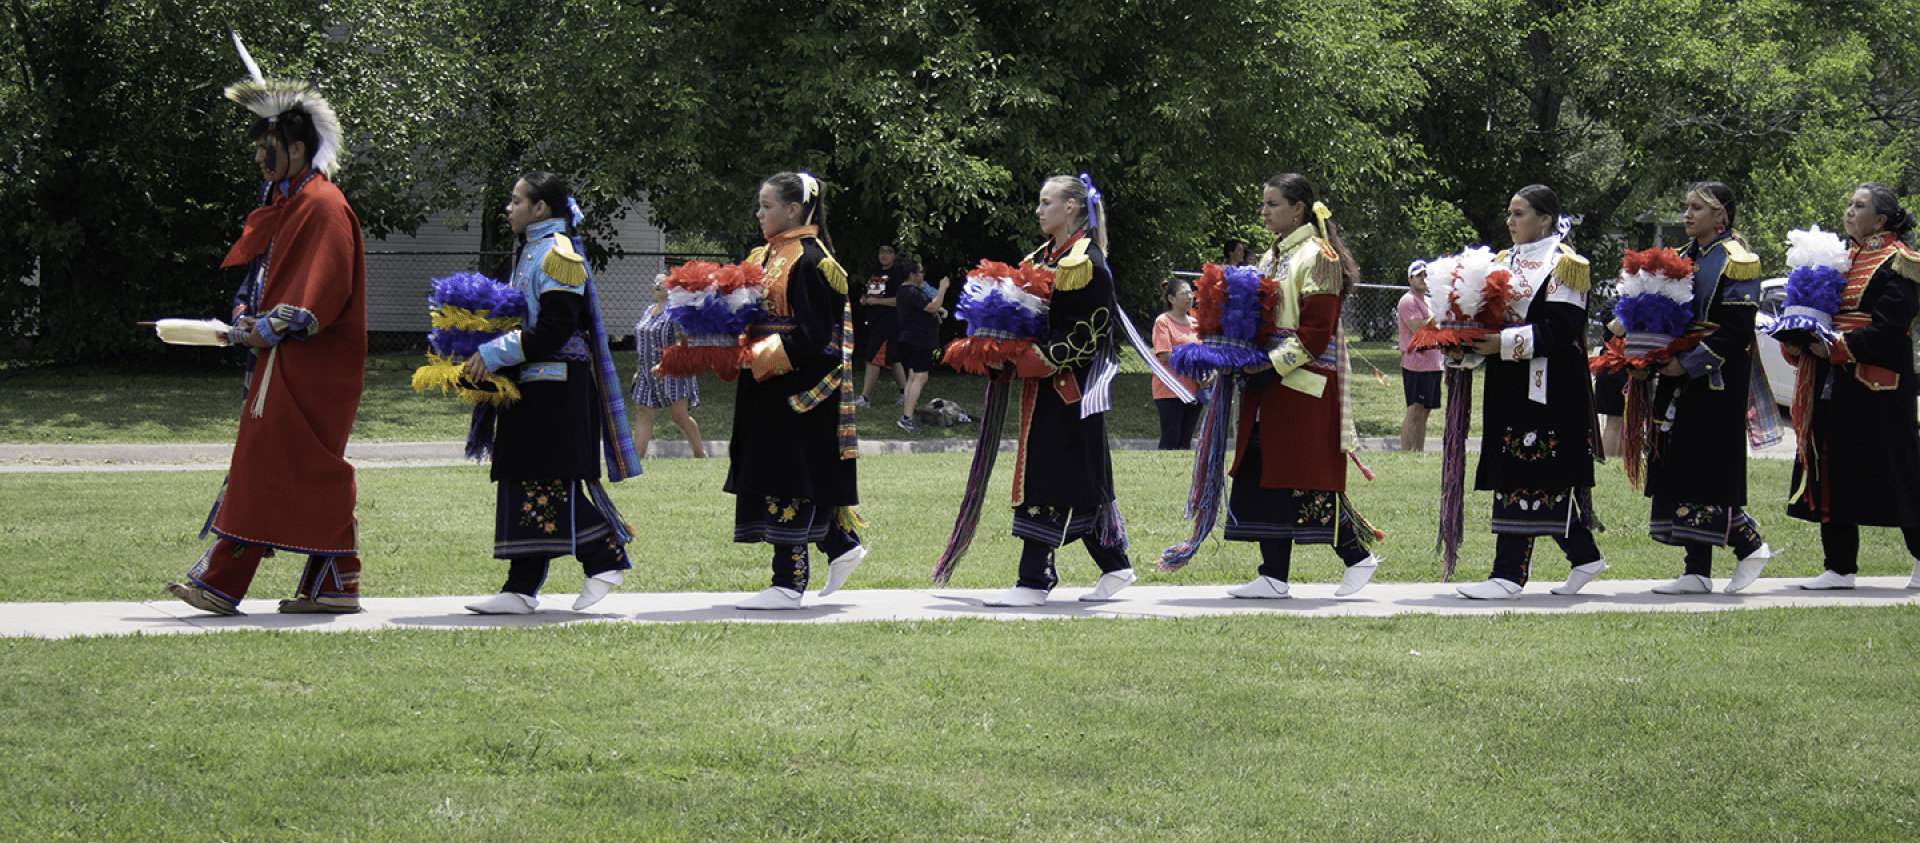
{"x": 1742, "y": 265}
{"x": 1324, "y": 275}
{"x": 1573, "y": 270}
{"x": 758, "y": 254}
{"x": 835, "y": 273}
{"x": 563, "y": 264}
{"x": 1906, "y": 261}
{"x": 1074, "y": 271}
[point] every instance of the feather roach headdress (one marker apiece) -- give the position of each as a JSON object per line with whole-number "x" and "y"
{"x": 274, "y": 98}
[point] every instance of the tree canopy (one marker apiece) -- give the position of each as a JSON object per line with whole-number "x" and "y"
{"x": 934, "y": 122}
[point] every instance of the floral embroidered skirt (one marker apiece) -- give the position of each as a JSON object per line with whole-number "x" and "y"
{"x": 1541, "y": 512}
{"x": 779, "y": 520}
{"x": 545, "y": 518}
{"x": 1675, "y": 522}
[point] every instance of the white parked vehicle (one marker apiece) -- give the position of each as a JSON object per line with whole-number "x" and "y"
{"x": 1780, "y": 373}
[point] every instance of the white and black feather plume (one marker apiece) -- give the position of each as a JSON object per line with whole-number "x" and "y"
{"x": 273, "y": 97}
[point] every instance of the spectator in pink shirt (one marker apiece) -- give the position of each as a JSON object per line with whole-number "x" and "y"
{"x": 1419, "y": 370}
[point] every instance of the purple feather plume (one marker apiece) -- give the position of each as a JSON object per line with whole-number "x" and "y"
{"x": 1815, "y": 287}
{"x": 994, "y": 311}
{"x": 458, "y": 344}
{"x": 1653, "y": 313}
{"x": 477, "y": 292}
{"x": 711, "y": 316}
{"x": 1241, "y": 317}
{"x": 1200, "y": 359}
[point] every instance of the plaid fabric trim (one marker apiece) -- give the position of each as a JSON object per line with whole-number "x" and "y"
{"x": 837, "y": 381}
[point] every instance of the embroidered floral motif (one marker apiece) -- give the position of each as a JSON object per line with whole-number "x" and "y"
{"x": 1532, "y": 445}
{"x": 1700, "y": 517}
{"x": 1314, "y": 507}
{"x": 1532, "y": 500}
{"x": 540, "y": 502}
{"x": 783, "y": 510}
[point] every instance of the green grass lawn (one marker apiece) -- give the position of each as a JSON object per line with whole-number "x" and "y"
{"x": 1777, "y": 725}
{"x": 90, "y": 405}
{"x": 428, "y": 531}
{"x": 1769, "y": 725}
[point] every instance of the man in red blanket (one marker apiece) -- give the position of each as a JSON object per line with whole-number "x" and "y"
{"x": 302, "y": 314}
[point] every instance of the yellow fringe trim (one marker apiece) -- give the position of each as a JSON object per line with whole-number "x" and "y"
{"x": 1907, "y": 263}
{"x": 562, "y": 264}
{"x": 1573, "y": 270}
{"x": 835, "y": 273}
{"x": 450, "y": 317}
{"x": 1742, "y": 265}
{"x": 444, "y": 374}
{"x": 1075, "y": 271}
{"x": 846, "y": 518}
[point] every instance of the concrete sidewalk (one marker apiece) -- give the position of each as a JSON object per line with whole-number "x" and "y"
{"x": 165, "y": 615}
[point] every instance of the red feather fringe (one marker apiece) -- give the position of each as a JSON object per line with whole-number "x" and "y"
{"x": 1209, "y": 300}
{"x": 1613, "y": 356}
{"x": 684, "y": 361}
{"x": 700, "y": 275}
{"x": 974, "y": 355}
{"x": 1430, "y": 337}
{"x": 1495, "y": 297}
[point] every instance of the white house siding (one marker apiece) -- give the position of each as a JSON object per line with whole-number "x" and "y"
{"x": 401, "y": 269}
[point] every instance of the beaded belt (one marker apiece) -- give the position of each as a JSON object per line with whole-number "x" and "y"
{"x": 575, "y": 350}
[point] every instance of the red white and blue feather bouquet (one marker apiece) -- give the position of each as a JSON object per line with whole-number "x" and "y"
{"x": 1655, "y": 306}
{"x": 1468, "y": 295}
{"x": 1819, "y": 262}
{"x": 469, "y": 310}
{"x": 1233, "y": 312}
{"x": 1005, "y": 308}
{"x": 713, "y": 304}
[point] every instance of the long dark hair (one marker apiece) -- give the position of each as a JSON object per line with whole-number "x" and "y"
{"x": 1886, "y": 203}
{"x": 293, "y": 126}
{"x": 543, "y": 186}
{"x": 790, "y": 189}
{"x": 1722, "y": 198}
{"x": 1546, "y": 203}
{"x": 1295, "y": 188}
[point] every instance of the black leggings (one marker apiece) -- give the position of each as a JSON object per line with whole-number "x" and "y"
{"x": 1841, "y": 543}
{"x": 1177, "y": 421}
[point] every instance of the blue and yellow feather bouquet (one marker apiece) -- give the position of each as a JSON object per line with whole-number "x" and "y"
{"x": 469, "y": 310}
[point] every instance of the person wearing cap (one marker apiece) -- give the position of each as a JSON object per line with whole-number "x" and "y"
{"x": 301, "y": 313}
{"x": 1419, "y": 370}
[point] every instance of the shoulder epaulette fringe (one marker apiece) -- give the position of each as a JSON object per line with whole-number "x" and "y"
{"x": 1573, "y": 270}
{"x": 563, "y": 264}
{"x": 1076, "y": 269}
{"x": 1906, "y": 262}
{"x": 1325, "y": 272}
{"x": 1742, "y": 265}
{"x": 758, "y": 254}
{"x": 835, "y": 273}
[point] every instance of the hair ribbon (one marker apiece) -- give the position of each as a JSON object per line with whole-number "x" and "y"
{"x": 573, "y": 210}
{"x": 1093, "y": 201}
